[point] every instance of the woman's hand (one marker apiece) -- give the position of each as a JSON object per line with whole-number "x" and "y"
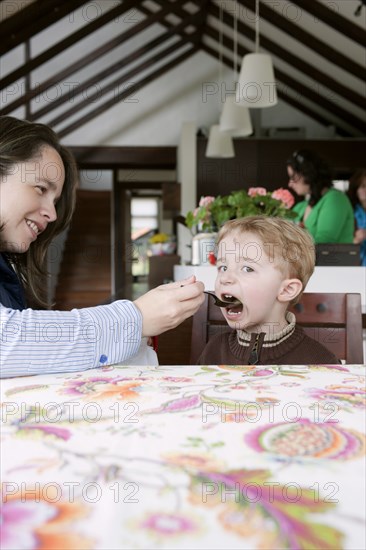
{"x": 360, "y": 235}
{"x": 166, "y": 306}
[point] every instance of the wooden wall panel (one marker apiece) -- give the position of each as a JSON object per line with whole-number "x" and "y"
{"x": 262, "y": 162}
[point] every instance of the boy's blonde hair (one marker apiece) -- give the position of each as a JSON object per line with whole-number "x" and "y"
{"x": 290, "y": 247}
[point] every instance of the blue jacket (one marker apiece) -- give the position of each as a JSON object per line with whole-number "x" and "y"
{"x": 11, "y": 290}
{"x": 360, "y": 217}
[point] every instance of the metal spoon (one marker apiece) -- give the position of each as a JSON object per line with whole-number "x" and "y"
{"x": 222, "y": 303}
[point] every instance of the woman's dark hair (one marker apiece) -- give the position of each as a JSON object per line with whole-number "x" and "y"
{"x": 314, "y": 170}
{"x": 354, "y": 183}
{"x": 21, "y": 141}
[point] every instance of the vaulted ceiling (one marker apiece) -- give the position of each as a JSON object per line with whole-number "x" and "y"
{"x": 318, "y": 53}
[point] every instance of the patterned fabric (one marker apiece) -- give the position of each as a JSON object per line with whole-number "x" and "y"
{"x": 172, "y": 457}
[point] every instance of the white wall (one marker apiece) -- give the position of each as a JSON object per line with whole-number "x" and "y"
{"x": 187, "y": 176}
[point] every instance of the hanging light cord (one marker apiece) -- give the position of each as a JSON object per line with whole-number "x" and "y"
{"x": 220, "y": 49}
{"x": 256, "y": 26}
{"x": 236, "y": 74}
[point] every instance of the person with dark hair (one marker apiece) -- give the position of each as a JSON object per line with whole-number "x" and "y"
{"x": 325, "y": 212}
{"x": 38, "y": 180}
{"x": 357, "y": 196}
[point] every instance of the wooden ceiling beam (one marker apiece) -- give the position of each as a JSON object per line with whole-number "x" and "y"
{"x": 91, "y": 57}
{"x": 33, "y": 19}
{"x": 112, "y": 157}
{"x": 307, "y": 39}
{"x": 131, "y": 90}
{"x": 293, "y": 60}
{"x": 333, "y": 19}
{"x": 112, "y": 69}
{"x": 182, "y": 13}
{"x": 61, "y": 46}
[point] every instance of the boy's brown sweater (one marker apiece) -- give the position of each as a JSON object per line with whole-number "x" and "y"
{"x": 288, "y": 347}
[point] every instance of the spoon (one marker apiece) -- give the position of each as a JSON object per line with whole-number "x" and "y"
{"x": 222, "y": 303}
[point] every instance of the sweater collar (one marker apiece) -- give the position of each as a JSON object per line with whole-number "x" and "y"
{"x": 244, "y": 338}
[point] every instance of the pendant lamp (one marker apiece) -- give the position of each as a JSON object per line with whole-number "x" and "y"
{"x": 257, "y": 86}
{"x": 235, "y": 117}
{"x": 220, "y": 144}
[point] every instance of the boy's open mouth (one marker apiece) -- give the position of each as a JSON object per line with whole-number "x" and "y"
{"x": 235, "y": 306}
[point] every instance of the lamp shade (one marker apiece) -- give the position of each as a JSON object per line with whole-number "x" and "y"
{"x": 220, "y": 144}
{"x": 257, "y": 86}
{"x": 235, "y": 118}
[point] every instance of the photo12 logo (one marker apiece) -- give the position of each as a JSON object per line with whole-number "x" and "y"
{"x": 70, "y": 491}
{"x": 271, "y": 412}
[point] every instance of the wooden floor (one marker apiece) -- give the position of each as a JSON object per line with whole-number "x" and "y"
{"x": 85, "y": 275}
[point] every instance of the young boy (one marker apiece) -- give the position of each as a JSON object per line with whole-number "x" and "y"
{"x": 265, "y": 264}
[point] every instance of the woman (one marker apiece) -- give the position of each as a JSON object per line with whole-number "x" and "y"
{"x": 326, "y": 212}
{"x": 357, "y": 196}
{"x": 38, "y": 179}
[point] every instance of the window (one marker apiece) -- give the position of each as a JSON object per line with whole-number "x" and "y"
{"x": 144, "y": 221}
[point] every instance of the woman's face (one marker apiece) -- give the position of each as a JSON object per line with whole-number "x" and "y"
{"x": 361, "y": 191}
{"x": 28, "y": 196}
{"x": 297, "y": 182}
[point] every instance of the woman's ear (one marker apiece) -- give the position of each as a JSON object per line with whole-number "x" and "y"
{"x": 290, "y": 288}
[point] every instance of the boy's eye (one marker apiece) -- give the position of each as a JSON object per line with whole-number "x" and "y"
{"x": 41, "y": 189}
{"x": 247, "y": 269}
{"x": 221, "y": 268}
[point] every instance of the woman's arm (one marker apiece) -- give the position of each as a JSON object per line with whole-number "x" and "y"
{"x": 34, "y": 342}
{"x": 38, "y": 342}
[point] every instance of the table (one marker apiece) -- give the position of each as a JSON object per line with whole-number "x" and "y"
{"x": 190, "y": 457}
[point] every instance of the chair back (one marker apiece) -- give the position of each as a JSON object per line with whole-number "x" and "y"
{"x": 333, "y": 319}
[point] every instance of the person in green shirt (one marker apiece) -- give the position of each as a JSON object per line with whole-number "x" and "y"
{"x": 325, "y": 212}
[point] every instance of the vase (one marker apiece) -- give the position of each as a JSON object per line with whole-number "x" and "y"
{"x": 162, "y": 249}
{"x": 202, "y": 245}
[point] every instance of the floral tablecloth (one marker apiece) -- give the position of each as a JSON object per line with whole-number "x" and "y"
{"x": 185, "y": 457}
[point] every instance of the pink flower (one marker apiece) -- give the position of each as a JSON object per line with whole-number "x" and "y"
{"x": 284, "y": 196}
{"x": 254, "y": 191}
{"x": 206, "y": 201}
{"x": 19, "y": 520}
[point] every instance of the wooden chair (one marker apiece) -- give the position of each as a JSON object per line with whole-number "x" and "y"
{"x": 333, "y": 319}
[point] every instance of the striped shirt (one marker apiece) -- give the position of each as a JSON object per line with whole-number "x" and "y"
{"x": 40, "y": 342}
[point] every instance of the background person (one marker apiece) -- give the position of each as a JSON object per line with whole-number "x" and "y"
{"x": 325, "y": 212}
{"x": 38, "y": 179}
{"x": 265, "y": 263}
{"x": 357, "y": 196}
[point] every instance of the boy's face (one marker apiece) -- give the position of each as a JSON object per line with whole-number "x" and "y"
{"x": 246, "y": 271}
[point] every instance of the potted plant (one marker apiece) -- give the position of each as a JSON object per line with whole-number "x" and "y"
{"x": 213, "y": 212}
